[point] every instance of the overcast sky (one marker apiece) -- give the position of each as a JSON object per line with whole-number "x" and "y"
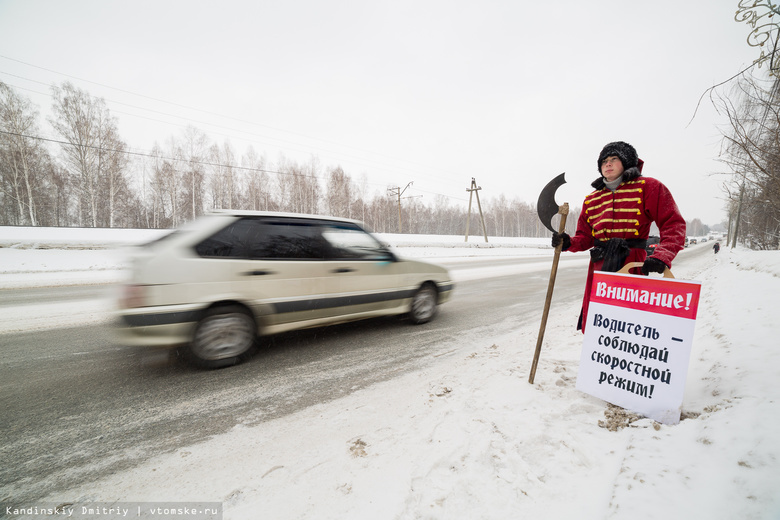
{"x": 430, "y": 92}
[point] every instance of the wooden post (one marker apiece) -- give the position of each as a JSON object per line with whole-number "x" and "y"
{"x": 475, "y": 189}
{"x": 563, "y": 211}
{"x": 398, "y": 192}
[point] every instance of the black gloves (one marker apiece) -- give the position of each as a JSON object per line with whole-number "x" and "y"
{"x": 653, "y": 265}
{"x": 561, "y": 238}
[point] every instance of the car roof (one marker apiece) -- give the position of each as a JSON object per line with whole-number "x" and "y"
{"x": 276, "y": 214}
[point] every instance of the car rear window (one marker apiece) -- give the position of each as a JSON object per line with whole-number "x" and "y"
{"x": 232, "y": 241}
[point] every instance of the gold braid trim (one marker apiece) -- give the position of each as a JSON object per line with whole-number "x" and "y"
{"x": 612, "y": 231}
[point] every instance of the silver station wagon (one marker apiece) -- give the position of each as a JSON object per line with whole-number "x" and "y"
{"x": 216, "y": 284}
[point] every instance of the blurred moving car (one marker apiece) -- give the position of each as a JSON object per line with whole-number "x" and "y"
{"x": 219, "y": 282}
{"x": 652, "y": 243}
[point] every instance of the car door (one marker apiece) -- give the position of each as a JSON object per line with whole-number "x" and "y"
{"x": 364, "y": 275}
{"x": 286, "y": 274}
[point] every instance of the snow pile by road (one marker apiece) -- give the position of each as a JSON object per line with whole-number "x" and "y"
{"x": 44, "y": 257}
{"x": 469, "y": 437}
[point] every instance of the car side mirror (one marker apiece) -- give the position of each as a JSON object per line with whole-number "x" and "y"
{"x": 386, "y": 255}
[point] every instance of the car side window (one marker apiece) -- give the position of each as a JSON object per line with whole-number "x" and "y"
{"x": 290, "y": 241}
{"x": 261, "y": 239}
{"x": 234, "y": 241}
{"x": 350, "y": 242}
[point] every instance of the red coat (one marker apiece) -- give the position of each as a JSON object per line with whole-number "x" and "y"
{"x": 627, "y": 213}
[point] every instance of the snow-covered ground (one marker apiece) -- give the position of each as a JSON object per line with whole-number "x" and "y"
{"x": 469, "y": 437}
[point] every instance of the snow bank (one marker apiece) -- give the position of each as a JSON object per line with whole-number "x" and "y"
{"x": 468, "y": 437}
{"x": 44, "y": 257}
{"x": 20, "y": 237}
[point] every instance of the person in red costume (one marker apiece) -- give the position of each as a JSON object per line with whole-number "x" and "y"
{"x": 615, "y": 219}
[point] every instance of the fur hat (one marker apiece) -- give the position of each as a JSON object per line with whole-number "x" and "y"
{"x": 623, "y": 151}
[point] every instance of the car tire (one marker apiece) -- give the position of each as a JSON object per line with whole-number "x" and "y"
{"x": 224, "y": 336}
{"x": 424, "y": 304}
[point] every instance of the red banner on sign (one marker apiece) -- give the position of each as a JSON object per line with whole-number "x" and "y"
{"x": 658, "y": 295}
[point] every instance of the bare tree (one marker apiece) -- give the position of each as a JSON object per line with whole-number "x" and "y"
{"x": 25, "y": 164}
{"x": 194, "y": 150}
{"x": 166, "y": 185}
{"x": 222, "y": 176}
{"x": 361, "y": 194}
{"x": 299, "y": 187}
{"x": 751, "y": 150}
{"x": 258, "y": 184}
{"x": 112, "y": 183}
{"x": 338, "y": 197}
{"x": 93, "y": 151}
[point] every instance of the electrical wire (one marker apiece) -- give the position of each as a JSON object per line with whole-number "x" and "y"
{"x": 216, "y": 114}
{"x": 148, "y": 154}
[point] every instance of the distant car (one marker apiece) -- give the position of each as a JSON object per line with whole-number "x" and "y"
{"x": 693, "y": 241}
{"x": 652, "y": 243}
{"x": 219, "y": 282}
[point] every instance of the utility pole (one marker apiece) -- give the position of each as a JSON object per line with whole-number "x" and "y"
{"x": 397, "y": 191}
{"x": 475, "y": 190}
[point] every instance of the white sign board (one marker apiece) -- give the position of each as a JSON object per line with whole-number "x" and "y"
{"x": 637, "y": 345}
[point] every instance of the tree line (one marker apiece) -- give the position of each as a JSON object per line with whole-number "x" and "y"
{"x": 85, "y": 175}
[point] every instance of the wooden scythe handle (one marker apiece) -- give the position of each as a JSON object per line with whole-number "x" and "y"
{"x": 563, "y": 211}
{"x": 631, "y": 265}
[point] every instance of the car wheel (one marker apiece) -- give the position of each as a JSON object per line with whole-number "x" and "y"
{"x": 424, "y": 304}
{"x": 224, "y": 336}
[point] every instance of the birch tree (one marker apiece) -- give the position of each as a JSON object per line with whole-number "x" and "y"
{"x": 24, "y": 161}
{"x": 299, "y": 186}
{"x": 222, "y": 176}
{"x": 194, "y": 150}
{"x": 112, "y": 184}
{"x": 166, "y": 185}
{"x": 257, "y": 181}
{"x": 86, "y": 126}
{"x": 338, "y": 193}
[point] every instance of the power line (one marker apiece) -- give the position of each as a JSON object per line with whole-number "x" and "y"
{"x": 244, "y": 121}
{"x": 190, "y": 120}
{"x": 193, "y": 161}
{"x": 209, "y": 124}
{"x": 250, "y": 134}
{"x": 153, "y": 156}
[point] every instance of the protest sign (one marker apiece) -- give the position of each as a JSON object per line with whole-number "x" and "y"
{"x": 637, "y": 345}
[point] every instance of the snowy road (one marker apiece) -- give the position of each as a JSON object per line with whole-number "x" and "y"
{"x": 76, "y": 407}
